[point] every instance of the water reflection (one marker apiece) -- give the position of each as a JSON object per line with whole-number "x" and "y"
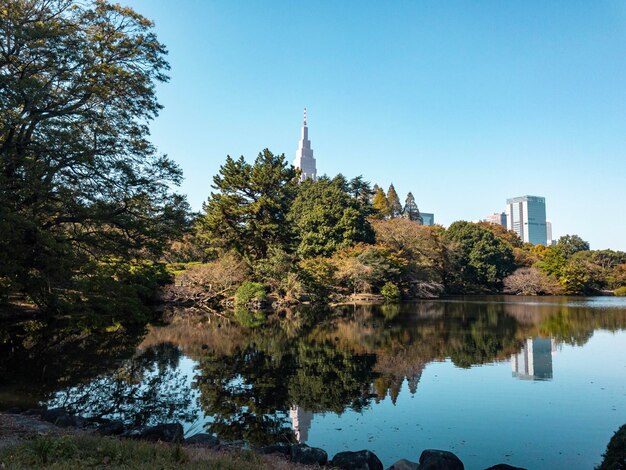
{"x": 534, "y": 361}
{"x": 263, "y": 378}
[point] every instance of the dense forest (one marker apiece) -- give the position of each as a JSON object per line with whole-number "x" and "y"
{"x": 89, "y": 220}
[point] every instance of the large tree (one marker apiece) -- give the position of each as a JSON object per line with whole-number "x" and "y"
{"x": 248, "y": 209}
{"x": 393, "y": 200}
{"x": 328, "y": 214}
{"x": 483, "y": 258}
{"x": 79, "y": 180}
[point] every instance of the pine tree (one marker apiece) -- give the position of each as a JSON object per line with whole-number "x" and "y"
{"x": 380, "y": 204}
{"x": 411, "y": 210}
{"x": 393, "y": 201}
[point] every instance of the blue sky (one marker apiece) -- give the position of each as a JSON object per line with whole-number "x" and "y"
{"x": 462, "y": 103}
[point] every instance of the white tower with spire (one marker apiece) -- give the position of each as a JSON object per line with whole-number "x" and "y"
{"x": 304, "y": 155}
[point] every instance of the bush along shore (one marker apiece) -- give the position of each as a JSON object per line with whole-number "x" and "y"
{"x": 46, "y": 438}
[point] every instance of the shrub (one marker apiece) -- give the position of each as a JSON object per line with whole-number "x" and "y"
{"x": 390, "y": 292}
{"x": 249, "y": 291}
{"x": 620, "y": 291}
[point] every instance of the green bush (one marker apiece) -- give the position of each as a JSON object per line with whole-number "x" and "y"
{"x": 620, "y": 292}
{"x": 390, "y": 292}
{"x": 249, "y": 291}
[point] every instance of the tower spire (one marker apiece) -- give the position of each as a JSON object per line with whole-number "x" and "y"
{"x": 304, "y": 155}
{"x": 305, "y": 116}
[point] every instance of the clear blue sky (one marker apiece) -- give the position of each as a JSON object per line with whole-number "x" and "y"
{"x": 462, "y": 103}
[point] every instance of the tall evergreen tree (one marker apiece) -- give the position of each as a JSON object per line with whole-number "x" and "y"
{"x": 248, "y": 210}
{"x": 411, "y": 210}
{"x": 395, "y": 207}
{"x": 326, "y": 216}
{"x": 380, "y": 205}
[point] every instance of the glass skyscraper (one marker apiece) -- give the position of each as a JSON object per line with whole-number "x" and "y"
{"x": 526, "y": 216}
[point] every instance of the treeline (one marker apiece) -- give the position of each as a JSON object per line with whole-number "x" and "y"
{"x": 331, "y": 238}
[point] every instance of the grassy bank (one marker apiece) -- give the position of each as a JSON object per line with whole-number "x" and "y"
{"x": 87, "y": 451}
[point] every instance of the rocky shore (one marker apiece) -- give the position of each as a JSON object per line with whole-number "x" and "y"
{"x": 17, "y": 426}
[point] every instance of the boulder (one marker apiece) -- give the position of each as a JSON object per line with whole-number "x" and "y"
{"x": 34, "y": 412}
{"x": 203, "y": 439}
{"x": 283, "y": 449}
{"x": 112, "y": 428}
{"x": 504, "y": 466}
{"x": 302, "y": 453}
{"x": 53, "y": 414}
{"x": 360, "y": 460}
{"x": 432, "y": 459}
{"x": 404, "y": 464}
{"x": 65, "y": 421}
{"x": 171, "y": 432}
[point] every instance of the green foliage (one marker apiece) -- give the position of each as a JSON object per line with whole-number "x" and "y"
{"x": 393, "y": 201}
{"x": 381, "y": 205}
{"x": 390, "y": 292}
{"x": 79, "y": 181}
{"x": 248, "y": 292}
{"x": 570, "y": 244}
{"x": 248, "y": 210}
{"x": 620, "y": 291}
{"x": 330, "y": 214}
{"x": 484, "y": 259}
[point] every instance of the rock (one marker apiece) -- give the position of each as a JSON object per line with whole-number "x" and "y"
{"x": 172, "y": 432}
{"x": 404, "y": 464}
{"x": 283, "y": 449}
{"x": 34, "y": 412}
{"x": 65, "y": 421}
{"x": 302, "y": 453}
{"x": 361, "y": 460}
{"x": 504, "y": 466}
{"x": 53, "y": 414}
{"x": 14, "y": 410}
{"x": 203, "y": 439}
{"x": 112, "y": 428}
{"x": 615, "y": 456}
{"x": 432, "y": 459}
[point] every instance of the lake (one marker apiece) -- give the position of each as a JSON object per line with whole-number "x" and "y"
{"x": 533, "y": 382}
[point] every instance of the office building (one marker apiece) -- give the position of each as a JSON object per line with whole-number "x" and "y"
{"x": 427, "y": 218}
{"x": 304, "y": 155}
{"x": 497, "y": 218}
{"x": 526, "y": 216}
{"x": 549, "y": 232}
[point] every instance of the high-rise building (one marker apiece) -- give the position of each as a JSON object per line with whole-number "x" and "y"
{"x": 497, "y": 218}
{"x": 304, "y": 155}
{"x": 549, "y": 232}
{"x": 526, "y": 216}
{"x": 428, "y": 218}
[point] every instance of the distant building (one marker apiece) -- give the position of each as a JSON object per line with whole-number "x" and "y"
{"x": 304, "y": 155}
{"x": 497, "y": 218}
{"x": 428, "y": 218}
{"x": 300, "y": 423}
{"x": 526, "y": 216}
{"x": 534, "y": 361}
{"x": 549, "y": 232}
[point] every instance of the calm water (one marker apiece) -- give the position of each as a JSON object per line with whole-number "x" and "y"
{"x": 534, "y": 382}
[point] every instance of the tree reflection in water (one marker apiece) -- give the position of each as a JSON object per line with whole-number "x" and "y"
{"x": 249, "y": 375}
{"x": 148, "y": 389}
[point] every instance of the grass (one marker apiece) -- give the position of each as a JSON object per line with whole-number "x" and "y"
{"x": 88, "y": 452}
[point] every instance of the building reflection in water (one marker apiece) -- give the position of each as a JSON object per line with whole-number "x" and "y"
{"x": 534, "y": 361}
{"x": 300, "y": 423}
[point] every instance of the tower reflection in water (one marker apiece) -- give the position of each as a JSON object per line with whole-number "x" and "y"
{"x": 534, "y": 361}
{"x": 300, "y": 423}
